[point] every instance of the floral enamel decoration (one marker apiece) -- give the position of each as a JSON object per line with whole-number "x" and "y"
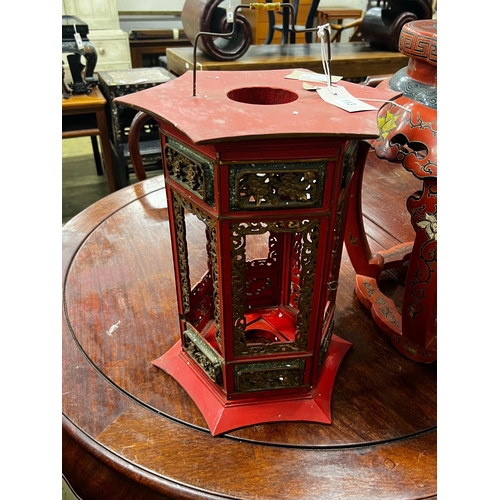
{"x": 430, "y": 226}
{"x": 387, "y": 123}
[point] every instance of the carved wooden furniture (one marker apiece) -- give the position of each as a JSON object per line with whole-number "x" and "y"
{"x": 408, "y": 136}
{"x": 336, "y": 17}
{"x": 136, "y": 126}
{"x": 350, "y": 60}
{"x": 110, "y": 42}
{"x": 381, "y": 25}
{"x": 146, "y": 45}
{"x": 83, "y": 78}
{"x": 84, "y": 115}
{"x": 300, "y": 20}
{"x": 130, "y": 431}
{"x": 206, "y": 16}
{"x": 260, "y": 21}
{"x": 123, "y": 82}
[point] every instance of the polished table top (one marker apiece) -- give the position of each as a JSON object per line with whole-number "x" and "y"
{"x": 349, "y": 60}
{"x": 83, "y": 102}
{"x": 130, "y": 431}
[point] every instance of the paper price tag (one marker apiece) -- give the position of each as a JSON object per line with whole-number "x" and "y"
{"x": 334, "y": 93}
{"x": 230, "y": 13}
{"x": 312, "y": 77}
{"x": 78, "y": 40}
{"x": 340, "y": 97}
{"x": 351, "y": 104}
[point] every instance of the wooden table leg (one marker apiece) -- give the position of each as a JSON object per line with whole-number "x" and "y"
{"x": 97, "y": 155}
{"x": 106, "y": 149}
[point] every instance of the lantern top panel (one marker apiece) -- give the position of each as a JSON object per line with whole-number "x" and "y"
{"x": 255, "y": 105}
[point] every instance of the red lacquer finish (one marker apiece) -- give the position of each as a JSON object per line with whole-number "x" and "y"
{"x": 408, "y": 136}
{"x": 255, "y": 155}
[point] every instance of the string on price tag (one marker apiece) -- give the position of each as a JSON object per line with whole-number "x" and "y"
{"x": 340, "y": 97}
{"x": 78, "y": 38}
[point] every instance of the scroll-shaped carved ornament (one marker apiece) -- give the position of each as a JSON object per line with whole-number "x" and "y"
{"x": 206, "y": 16}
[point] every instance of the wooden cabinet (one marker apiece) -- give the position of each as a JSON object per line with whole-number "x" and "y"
{"x": 147, "y": 46}
{"x": 260, "y": 26}
{"x": 110, "y": 42}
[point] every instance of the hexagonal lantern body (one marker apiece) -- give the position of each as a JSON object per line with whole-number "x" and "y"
{"x": 264, "y": 166}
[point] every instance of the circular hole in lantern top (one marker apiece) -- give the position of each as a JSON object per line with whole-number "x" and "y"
{"x": 262, "y": 95}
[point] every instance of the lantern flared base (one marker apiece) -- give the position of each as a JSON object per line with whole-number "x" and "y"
{"x": 224, "y": 415}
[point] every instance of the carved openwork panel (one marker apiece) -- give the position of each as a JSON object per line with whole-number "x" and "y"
{"x": 203, "y": 355}
{"x": 348, "y": 165}
{"x": 295, "y": 268}
{"x": 269, "y": 375}
{"x": 182, "y": 252}
{"x": 201, "y": 303}
{"x": 277, "y": 185}
{"x": 190, "y": 170}
{"x": 304, "y": 235}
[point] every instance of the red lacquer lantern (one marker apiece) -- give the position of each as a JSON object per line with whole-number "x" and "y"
{"x": 256, "y": 156}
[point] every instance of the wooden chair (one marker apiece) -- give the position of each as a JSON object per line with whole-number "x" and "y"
{"x": 84, "y": 115}
{"x": 136, "y": 125}
{"x": 336, "y": 16}
{"x": 288, "y": 35}
{"x": 337, "y": 30}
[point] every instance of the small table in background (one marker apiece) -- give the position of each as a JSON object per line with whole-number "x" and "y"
{"x": 350, "y": 60}
{"x": 84, "y": 115}
{"x": 118, "y": 83}
{"x": 337, "y": 15}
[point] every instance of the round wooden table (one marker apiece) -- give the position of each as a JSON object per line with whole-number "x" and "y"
{"x": 130, "y": 431}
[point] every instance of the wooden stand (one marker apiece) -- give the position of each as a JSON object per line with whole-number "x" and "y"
{"x": 90, "y": 114}
{"x": 409, "y": 137}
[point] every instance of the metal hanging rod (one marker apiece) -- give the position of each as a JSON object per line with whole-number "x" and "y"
{"x": 254, "y": 6}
